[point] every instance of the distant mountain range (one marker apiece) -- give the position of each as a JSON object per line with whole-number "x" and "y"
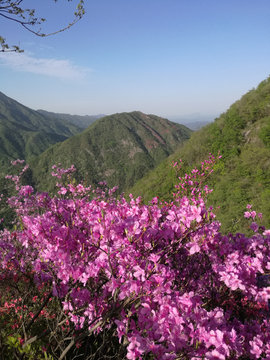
{"x": 194, "y": 121}
{"x": 26, "y": 133}
{"x": 195, "y": 125}
{"x": 80, "y": 121}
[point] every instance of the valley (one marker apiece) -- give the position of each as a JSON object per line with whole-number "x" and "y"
{"x": 134, "y": 151}
{"x": 118, "y": 149}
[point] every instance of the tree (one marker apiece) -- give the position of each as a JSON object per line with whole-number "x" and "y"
{"x": 12, "y": 10}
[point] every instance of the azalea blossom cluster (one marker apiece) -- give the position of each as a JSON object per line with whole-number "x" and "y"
{"x": 162, "y": 279}
{"x": 61, "y": 171}
{"x": 191, "y": 184}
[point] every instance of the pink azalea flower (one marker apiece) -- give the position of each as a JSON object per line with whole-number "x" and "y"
{"x": 214, "y": 355}
{"x": 256, "y": 347}
{"x": 254, "y": 226}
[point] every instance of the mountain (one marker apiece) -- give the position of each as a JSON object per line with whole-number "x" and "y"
{"x": 118, "y": 149}
{"x": 25, "y": 133}
{"x": 195, "y": 125}
{"x": 194, "y": 121}
{"x": 242, "y": 176}
{"x": 80, "y": 121}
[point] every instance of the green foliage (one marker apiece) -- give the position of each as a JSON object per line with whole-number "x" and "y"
{"x": 77, "y": 120}
{"x": 25, "y": 133}
{"x": 122, "y": 148}
{"x": 264, "y": 135}
{"x": 226, "y": 134}
{"x": 242, "y": 135}
{"x": 12, "y": 349}
{"x": 119, "y": 149}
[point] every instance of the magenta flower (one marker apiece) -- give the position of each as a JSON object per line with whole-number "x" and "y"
{"x": 214, "y": 355}
{"x": 254, "y": 226}
{"x": 161, "y": 276}
{"x": 256, "y": 347}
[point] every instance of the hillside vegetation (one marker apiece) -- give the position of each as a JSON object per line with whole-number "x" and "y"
{"x": 25, "y": 133}
{"x": 118, "y": 149}
{"x": 242, "y": 134}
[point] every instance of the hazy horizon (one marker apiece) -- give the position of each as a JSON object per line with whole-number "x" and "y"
{"x": 160, "y": 57}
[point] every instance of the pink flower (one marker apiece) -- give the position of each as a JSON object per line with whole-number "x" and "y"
{"x": 256, "y": 347}
{"x": 62, "y": 191}
{"x": 254, "y": 226}
{"x": 155, "y": 200}
{"x": 196, "y": 213}
{"x": 194, "y": 249}
{"x": 121, "y": 329}
{"x": 80, "y": 188}
{"x": 130, "y": 264}
{"x": 214, "y": 355}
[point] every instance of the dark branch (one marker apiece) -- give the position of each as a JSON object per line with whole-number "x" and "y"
{"x": 12, "y": 11}
{"x": 39, "y": 311}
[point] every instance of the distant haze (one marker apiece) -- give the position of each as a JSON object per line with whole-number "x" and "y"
{"x": 194, "y": 121}
{"x": 155, "y": 56}
{"x": 194, "y": 117}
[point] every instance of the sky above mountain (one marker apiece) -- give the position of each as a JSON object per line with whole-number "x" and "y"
{"x": 164, "y": 57}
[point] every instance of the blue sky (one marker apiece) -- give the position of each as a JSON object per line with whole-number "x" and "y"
{"x": 163, "y": 57}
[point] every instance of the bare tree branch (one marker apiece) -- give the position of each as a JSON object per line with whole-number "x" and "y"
{"x": 39, "y": 311}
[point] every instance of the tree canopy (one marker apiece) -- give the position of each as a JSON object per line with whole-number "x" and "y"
{"x": 14, "y": 11}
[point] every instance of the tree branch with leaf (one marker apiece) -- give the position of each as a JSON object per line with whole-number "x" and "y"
{"x": 13, "y": 10}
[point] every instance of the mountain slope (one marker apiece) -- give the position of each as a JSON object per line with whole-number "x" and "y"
{"x": 81, "y": 121}
{"x": 242, "y": 177}
{"x": 24, "y": 133}
{"x": 118, "y": 149}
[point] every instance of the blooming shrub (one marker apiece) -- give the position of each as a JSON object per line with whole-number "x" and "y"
{"x": 86, "y": 274}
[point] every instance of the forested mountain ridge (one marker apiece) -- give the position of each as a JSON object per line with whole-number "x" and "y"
{"x": 25, "y": 133}
{"x": 80, "y": 121}
{"x": 118, "y": 149}
{"x": 242, "y": 176}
